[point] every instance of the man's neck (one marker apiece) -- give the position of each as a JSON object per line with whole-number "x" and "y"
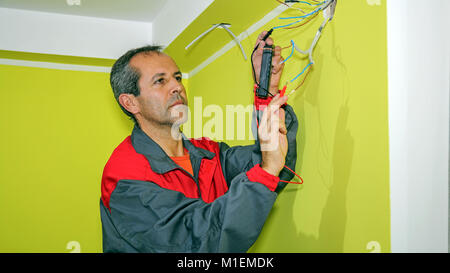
{"x": 162, "y": 135}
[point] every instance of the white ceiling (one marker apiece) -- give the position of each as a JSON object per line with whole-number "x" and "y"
{"x": 46, "y": 27}
{"x": 134, "y": 10}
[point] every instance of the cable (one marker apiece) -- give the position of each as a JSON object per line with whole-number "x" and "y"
{"x": 303, "y": 71}
{"x": 301, "y": 17}
{"x": 283, "y": 3}
{"x": 292, "y": 53}
{"x": 315, "y": 13}
{"x": 221, "y": 25}
{"x": 309, "y": 20}
{"x": 292, "y": 182}
{"x": 235, "y": 39}
{"x": 201, "y": 35}
{"x": 314, "y": 42}
{"x": 328, "y": 7}
{"x": 288, "y": 25}
{"x": 301, "y": 84}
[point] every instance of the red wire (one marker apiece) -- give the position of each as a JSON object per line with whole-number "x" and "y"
{"x": 257, "y": 126}
{"x": 291, "y": 182}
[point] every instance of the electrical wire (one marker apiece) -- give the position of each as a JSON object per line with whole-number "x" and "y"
{"x": 309, "y": 52}
{"x": 292, "y": 53}
{"x": 283, "y": 3}
{"x": 289, "y": 46}
{"x": 309, "y": 16}
{"x": 301, "y": 73}
{"x": 292, "y": 182}
{"x": 221, "y": 25}
{"x": 315, "y": 13}
{"x": 304, "y": 79}
{"x": 323, "y": 5}
{"x": 303, "y": 16}
{"x": 298, "y": 21}
{"x": 309, "y": 20}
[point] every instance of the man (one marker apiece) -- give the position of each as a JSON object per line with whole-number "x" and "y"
{"x": 161, "y": 193}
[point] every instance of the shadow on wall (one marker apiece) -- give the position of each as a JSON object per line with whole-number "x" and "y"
{"x": 334, "y": 173}
{"x": 331, "y": 233}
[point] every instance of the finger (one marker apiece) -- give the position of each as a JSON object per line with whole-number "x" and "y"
{"x": 269, "y": 41}
{"x": 274, "y": 122}
{"x": 258, "y": 55}
{"x": 259, "y": 39}
{"x": 262, "y": 34}
{"x": 282, "y": 116}
{"x": 277, "y": 101}
{"x": 269, "y": 120}
{"x": 264, "y": 116}
{"x": 278, "y": 64}
{"x": 278, "y": 59}
{"x": 264, "y": 127}
{"x": 277, "y": 51}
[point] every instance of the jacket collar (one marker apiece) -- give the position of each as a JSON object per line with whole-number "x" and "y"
{"x": 159, "y": 161}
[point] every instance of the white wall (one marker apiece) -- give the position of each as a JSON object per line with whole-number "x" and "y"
{"x": 175, "y": 17}
{"x": 52, "y": 33}
{"x": 418, "y": 60}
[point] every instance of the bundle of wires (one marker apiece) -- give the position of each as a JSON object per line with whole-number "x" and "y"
{"x": 308, "y": 16}
{"x": 318, "y": 4}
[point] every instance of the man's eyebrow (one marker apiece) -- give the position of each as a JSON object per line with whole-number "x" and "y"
{"x": 158, "y": 75}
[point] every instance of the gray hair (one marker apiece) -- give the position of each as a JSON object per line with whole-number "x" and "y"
{"x": 124, "y": 79}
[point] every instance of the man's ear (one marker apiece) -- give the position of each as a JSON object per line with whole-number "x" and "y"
{"x": 129, "y": 102}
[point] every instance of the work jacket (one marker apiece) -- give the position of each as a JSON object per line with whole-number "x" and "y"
{"x": 150, "y": 204}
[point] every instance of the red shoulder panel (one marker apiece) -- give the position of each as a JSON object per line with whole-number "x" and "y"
{"x": 207, "y": 144}
{"x": 124, "y": 163}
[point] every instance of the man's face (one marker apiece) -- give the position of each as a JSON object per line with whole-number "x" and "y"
{"x": 162, "y": 98}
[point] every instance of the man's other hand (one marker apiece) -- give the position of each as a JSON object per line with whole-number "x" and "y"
{"x": 272, "y": 136}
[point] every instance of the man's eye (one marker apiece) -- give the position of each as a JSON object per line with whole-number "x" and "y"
{"x": 179, "y": 78}
{"x": 159, "y": 81}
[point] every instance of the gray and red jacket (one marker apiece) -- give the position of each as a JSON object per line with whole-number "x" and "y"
{"x": 150, "y": 204}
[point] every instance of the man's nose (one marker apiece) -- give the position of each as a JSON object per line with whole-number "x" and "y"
{"x": 176, "y": 87}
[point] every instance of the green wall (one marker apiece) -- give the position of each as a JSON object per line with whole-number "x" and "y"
{"x": 342, "y": 144}
{"x": 58, "y": 130}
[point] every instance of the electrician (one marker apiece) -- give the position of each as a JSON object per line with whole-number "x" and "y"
{"x": 166, "y": 194}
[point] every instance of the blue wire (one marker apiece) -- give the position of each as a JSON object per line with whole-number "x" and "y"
{"x": 292, "y": 53}
{"x": 293, "y": 23}
{"x": 305, "y": 3}
{"x": 292, "y": 42}
{"x": 318, "y": 4}
{"x": 301, "y": 72}
{"x": 303, "y": 16}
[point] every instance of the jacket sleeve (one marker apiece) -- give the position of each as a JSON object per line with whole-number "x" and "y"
{"x": 238, "y": 159}
{"x": 144, "y": 217}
